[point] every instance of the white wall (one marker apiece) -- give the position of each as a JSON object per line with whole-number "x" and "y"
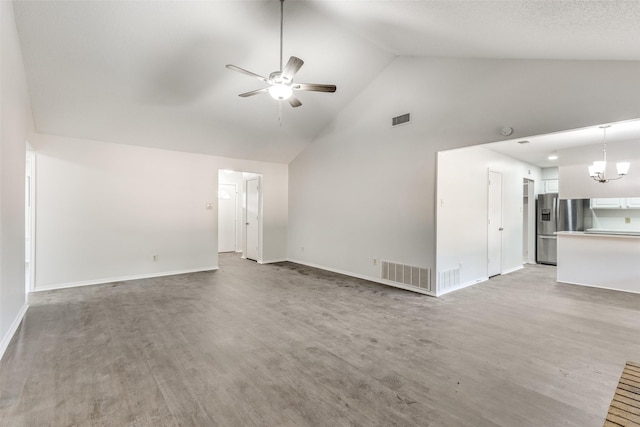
{"x": 364, "y": 190}
{"x": 575, "y": 182}
{"x": 17, "y": 124}
{"x": 462, "y": 207}
{"x": 104, "y": 210}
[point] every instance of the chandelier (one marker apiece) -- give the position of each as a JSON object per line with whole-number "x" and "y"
{"x": 598, "y": 169}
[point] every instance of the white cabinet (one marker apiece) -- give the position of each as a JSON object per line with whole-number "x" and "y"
{"x": 616, "y": 203}
{"x": 606, "y": 203}
{"x": 551, "y": 185}
{"x": 633, "y": 202}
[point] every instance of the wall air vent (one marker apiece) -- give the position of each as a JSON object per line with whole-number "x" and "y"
{"x": 401, "y": 120}
{"x": 406, "y": 274}
{"x": 448, "y": 279}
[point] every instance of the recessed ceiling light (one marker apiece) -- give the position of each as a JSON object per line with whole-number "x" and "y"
{"x": 553, "y": 157}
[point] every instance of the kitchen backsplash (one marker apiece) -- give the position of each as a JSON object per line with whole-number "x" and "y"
{"x": 616, "y": 219}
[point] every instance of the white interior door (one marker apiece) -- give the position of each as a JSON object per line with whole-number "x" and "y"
{"x": 227, "y": 217}
{"x": 252, "y": 232}
{"x": 494, "y": 262}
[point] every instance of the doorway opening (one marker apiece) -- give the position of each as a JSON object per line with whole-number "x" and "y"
{"x": 240, "y": 213}
{"x": 228, "y": 220}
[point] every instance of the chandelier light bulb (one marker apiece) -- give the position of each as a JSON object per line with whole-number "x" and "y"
{"x": 623, "y": 168}
{"x": 599, "y": 167}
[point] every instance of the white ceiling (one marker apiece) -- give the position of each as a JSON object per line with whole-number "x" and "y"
{"x": 152, "y": 72}
{"x": 536, "y": 149}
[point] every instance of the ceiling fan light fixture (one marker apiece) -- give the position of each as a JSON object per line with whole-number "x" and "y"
{"x": 280, "y": 91}
{"x": 280, "y": 82}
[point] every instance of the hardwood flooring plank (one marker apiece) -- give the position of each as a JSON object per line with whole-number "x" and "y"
{"x": 289, "y": 345}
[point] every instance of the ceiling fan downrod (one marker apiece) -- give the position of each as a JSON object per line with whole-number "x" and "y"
{"x": 281, "y": 30}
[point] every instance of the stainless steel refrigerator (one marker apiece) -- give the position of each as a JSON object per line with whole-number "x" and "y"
{"x": 553, "y": 215}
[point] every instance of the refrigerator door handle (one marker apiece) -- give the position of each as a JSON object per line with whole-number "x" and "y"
{"x": 547, "y": 237}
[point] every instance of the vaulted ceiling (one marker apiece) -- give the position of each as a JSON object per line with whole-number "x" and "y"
{"x": 153, "y": 73}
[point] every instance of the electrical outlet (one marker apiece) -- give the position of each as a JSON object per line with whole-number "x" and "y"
{"x": 627, "y": 220}
{"x": 155, "y": 258}
{"x": 302, "y": 249}
{"x": 375, "y": 261}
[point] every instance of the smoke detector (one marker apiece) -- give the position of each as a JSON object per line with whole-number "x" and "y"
{"x": 506, "y": 131}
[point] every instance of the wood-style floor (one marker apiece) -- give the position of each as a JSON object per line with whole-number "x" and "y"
{"x": 287, "y": 345}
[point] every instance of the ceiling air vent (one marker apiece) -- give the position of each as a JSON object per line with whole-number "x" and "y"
{"x": 400, "y": 120}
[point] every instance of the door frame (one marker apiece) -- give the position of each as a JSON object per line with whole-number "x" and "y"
{"x": 30, "y": 187}
{"x": 249, "y": 177}
{"x": 489, "y": 206}
{"x": 531, "y": 221}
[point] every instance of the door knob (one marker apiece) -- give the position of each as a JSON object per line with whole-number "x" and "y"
{"x": 500, "y": 228}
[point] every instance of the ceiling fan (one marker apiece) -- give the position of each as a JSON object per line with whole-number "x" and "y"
{"x": 281, "y": 85}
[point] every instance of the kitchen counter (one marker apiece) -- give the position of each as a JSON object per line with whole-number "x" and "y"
{"x": 602, "y": 233}
{"x": 601, "y": 259}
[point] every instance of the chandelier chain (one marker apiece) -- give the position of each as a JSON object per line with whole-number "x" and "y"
{"x": 604, "y": 143}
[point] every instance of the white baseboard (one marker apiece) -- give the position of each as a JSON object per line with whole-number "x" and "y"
{"x": 462, "y": 286}
{"x": 365, "y": 277}
{"x": 476, "y": 281}
{"x": 121, "y": 279}
{"x": 12, "y": 330}
{"x": 597, "y": 286}
{"x": 271, "y": 261}
{"x": 511, "y": 270}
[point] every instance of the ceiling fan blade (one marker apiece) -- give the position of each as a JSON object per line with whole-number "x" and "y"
{"x": 254, "y": 92}
{"x": 292, "y": 67}
{"x": 248, "y": 73}
{"x": 314, "y": 87}
{"x": 294, "y": 102}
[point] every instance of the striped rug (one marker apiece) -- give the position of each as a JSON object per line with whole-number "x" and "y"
{"x": 625, "y": 406}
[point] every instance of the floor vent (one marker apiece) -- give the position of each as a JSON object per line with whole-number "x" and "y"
{"x": 448, "y": 279}
{"x": 407, "y": 274}
{"x": 400, "y": 120}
